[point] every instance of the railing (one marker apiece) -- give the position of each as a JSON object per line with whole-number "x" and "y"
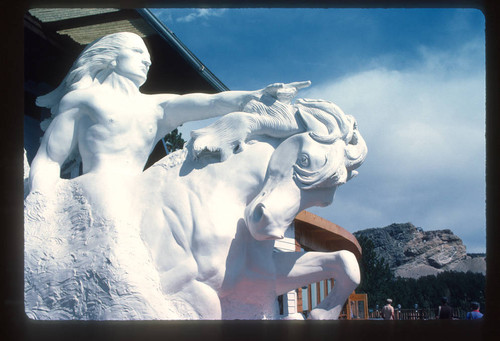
{"x": 417, "y": 314}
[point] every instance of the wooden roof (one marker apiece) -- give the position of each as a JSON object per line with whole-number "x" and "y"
{"x": 73, "y": 28}
{"x": 84, "y": 25}
{"x": 314, "y": 233}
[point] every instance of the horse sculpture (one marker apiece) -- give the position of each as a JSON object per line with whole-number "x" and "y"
{"x": 206, "y": 218}
{"x": 212, "y": 236}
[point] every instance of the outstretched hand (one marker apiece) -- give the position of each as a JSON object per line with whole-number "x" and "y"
{"x": 285, "y": 92}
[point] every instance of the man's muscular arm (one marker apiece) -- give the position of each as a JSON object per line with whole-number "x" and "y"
{"x": 179, "y": 109}
{"x": 57, "y": 144}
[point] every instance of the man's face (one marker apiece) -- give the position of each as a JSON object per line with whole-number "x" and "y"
{"x": 133, "y": 61}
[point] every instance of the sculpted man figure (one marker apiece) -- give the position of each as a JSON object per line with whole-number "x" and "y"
{"x": 99, "y": 110}
{"x": 191, "y": 237}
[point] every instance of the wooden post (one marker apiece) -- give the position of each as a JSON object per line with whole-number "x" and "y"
{"x": 309, "y": 297}
{"x": 318, "y": 293}
{"x": 299, "y": 300}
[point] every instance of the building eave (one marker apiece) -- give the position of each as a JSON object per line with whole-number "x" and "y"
{"x": 175, "y": 42}
{"x": 315, "y": 233}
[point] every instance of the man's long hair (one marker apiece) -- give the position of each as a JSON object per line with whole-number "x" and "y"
{"x": 95, "y": 62}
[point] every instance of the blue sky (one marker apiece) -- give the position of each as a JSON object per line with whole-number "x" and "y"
{"x": 413, "y": 78}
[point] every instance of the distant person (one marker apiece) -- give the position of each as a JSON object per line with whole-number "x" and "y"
{"x": 388, "y": 311}
{"x": 445, "y": 312}
{"x": 474, "y": 314}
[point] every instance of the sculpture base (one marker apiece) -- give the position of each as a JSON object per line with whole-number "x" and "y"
{"x": 82, "y": 266}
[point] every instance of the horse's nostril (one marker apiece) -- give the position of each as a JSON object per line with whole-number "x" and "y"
{"x": 258, "y": 212}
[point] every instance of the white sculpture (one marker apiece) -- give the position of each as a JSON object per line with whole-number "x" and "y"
{"x": 99, "y": 113}
{"x": 191, "y": 237}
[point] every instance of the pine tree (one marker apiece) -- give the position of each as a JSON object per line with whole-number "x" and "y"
{"x": 376, "y": 276}
{"x": 174, "y": 141}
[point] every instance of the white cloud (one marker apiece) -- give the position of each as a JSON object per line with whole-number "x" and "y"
{"x": 425, "y": 128}
{"x": 430, "y": 119}
{"x": 164, "y": 14}
{"x": 201, "y": 14}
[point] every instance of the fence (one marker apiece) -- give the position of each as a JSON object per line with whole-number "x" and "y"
{"x": 417, "y": 314}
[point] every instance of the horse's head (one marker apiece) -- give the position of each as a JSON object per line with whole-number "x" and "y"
{"x": 306, "y": 168}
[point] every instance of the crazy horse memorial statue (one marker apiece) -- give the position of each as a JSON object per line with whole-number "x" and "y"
{"x": 192, "y": 236}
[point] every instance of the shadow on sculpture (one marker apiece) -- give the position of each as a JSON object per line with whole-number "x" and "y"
{"x": 191, "y": 237}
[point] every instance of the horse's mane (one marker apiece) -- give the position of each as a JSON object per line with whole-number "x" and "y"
{"x": 265, "y": 117}
{"x": 341, "y": 128}
{"x": 325, "y": 122}
{"x": 274, "y": 117}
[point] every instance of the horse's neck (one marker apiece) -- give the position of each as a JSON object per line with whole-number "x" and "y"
{"x": 243, "y": 172}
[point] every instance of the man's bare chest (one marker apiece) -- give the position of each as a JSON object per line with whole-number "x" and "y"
{"x": 123, "y": 115}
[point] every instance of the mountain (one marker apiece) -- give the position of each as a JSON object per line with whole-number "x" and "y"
{"x": 413, "y": 252}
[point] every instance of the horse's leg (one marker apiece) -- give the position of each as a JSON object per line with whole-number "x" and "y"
{"x": 296, "y": 269}
{"x": 346, "y": 280}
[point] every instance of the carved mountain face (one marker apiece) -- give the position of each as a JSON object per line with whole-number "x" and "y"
{"x": 413, "y": 252}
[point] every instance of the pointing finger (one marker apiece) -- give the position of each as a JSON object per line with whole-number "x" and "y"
{"x": 299, "y": 85}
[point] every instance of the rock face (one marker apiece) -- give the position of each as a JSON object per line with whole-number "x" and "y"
{"x": 413, "y": 252}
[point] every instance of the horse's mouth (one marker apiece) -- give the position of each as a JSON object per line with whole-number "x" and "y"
{"x": 267, "y": 235}
{"x": 261, "y": 224}
{"x": 272, "y": 236}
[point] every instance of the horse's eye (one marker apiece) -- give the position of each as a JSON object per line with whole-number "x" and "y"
{"x": 303, "y": 160}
